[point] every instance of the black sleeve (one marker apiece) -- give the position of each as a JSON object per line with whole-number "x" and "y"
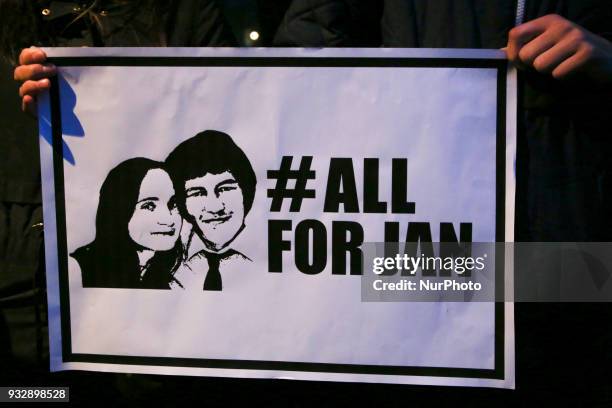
{"x": 198, "y": 23}
{"x": 594, "y": 15}
{"x": 330, "y": 23}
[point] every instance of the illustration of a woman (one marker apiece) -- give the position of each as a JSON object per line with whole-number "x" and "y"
{"x": 138, "y": 227}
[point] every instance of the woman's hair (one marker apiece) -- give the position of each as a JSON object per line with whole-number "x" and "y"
{"x": 111, "y": 260}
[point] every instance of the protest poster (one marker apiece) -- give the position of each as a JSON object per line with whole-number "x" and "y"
{"x": 205, "y": 210}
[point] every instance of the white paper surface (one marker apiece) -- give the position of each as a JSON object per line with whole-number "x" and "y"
{"x": 443, "y": 119}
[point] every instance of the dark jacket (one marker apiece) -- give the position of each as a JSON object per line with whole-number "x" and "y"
{"x": 564, "y": 175}
{"x": 103, "y": 272}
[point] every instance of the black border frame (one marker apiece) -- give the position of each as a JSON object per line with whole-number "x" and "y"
{"x": 345, "y": 62}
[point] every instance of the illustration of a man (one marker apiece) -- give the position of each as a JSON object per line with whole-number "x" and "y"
{"x": 215, "y": 186}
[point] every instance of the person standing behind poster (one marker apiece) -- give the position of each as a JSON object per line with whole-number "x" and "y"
{"x": 186, "y": 23}
{"x": 563, "y": 168}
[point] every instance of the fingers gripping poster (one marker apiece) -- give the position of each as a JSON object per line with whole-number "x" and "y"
{"x": 206, "y": 210}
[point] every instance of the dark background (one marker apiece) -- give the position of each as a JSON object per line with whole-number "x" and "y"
{"x": 563, "y": 351}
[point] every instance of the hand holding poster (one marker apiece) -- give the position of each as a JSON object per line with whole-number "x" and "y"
{"x": 208, "y": 212}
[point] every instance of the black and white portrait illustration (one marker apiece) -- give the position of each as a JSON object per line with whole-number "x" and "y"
{"x": 205, "y": 189}
{"x": 229, "y": 194}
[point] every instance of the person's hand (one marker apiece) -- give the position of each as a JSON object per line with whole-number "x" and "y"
{"x": 556, "y": 46}
{"x": 34, "y": 75}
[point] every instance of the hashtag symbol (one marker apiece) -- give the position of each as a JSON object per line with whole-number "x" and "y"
{"x": 283, "y": 175}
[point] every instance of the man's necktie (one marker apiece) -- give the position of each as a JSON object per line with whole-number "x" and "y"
{"x": 213, "y": 277}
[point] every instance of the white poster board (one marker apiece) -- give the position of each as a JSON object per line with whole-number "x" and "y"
{"x": 440, "y": 123}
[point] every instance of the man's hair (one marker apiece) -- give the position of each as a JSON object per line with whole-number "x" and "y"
{"x": 211, "y": 152}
